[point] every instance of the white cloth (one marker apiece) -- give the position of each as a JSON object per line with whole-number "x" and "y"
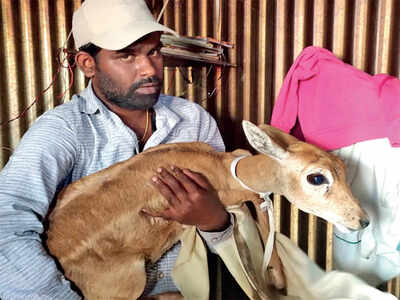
{"x": 372, "y": 253}
{"x": 308, "y": 282}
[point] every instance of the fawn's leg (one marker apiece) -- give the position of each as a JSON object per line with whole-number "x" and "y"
{"x": 122, "y": 277}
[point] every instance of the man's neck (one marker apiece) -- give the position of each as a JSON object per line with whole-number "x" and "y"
{"x": 134, "y": 119}
{"x": 137, "y": 120}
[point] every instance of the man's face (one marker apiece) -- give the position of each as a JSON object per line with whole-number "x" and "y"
{"x": 130, "y": 78}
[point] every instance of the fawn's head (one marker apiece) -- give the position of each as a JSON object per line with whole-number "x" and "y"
{"x": 312, "y": 179}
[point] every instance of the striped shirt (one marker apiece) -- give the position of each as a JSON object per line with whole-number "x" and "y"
{"x": 71, "y": 141}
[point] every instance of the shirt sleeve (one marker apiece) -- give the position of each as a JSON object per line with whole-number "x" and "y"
{"x": 28, "y": 184}
{"x": 213, "y": 238}
{"x": 209, "y": 132}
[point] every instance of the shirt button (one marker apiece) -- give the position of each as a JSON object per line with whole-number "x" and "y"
{"x": 214, "y": 239}
{"x": 60, "y": 277}
{"x": 160, "y": 275}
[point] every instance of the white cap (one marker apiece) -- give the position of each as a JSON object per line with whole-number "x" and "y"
{"x": 113, "y": 24}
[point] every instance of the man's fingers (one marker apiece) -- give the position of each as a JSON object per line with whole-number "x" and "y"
{"x": 164, "y": 189}
{"x": 187, "y": 182}
{"x": 173, "y": 183}
{"x": 192, "y": 199}
{"x": 198, "y": 178}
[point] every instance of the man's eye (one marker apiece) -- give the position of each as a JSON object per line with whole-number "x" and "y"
{"x": 127, "y": 57}
{"x": 155, "y": 52}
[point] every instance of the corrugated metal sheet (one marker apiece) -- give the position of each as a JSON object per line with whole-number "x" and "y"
{"x": 267, "y": 36}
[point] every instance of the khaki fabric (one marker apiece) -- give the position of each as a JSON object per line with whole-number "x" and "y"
{"x": 190, "y": 273}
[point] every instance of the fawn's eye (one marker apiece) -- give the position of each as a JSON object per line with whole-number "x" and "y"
{"x": 317, "y": 179}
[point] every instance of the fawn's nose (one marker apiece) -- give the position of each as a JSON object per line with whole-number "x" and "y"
{"x": 364, "y": 223}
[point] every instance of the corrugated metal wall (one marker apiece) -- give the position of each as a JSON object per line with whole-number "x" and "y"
{"x": 267, "y": 34}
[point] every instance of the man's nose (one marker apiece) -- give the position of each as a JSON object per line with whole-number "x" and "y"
{"x": 146, "y": 67}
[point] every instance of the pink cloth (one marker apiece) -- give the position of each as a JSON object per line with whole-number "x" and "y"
{"x": 335, "y": 104}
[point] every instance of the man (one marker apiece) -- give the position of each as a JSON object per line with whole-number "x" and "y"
{"x": 118, "y": 115}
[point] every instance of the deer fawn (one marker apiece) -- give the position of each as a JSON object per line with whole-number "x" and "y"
{"x": 101, "y": 239}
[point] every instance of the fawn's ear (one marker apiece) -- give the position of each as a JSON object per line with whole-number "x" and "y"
{"x": 282, "y": 138}
{"x": 264, "y": 142}
{"x": 241, "y": 152}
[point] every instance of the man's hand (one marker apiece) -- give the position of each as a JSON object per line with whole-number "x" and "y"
{"x": 192, "y": 200}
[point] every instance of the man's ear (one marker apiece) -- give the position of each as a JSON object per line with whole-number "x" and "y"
{"x": 86, "y": 63}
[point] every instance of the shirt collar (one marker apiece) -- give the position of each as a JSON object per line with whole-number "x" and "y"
{"x": 165, "y": 116}
{"x": 90, "y": 104}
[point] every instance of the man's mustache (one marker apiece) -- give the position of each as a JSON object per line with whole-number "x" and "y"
{"x": 153, "y": 79}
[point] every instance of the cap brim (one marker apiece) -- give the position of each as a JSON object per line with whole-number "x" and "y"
{"x": 131, "y": 33}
